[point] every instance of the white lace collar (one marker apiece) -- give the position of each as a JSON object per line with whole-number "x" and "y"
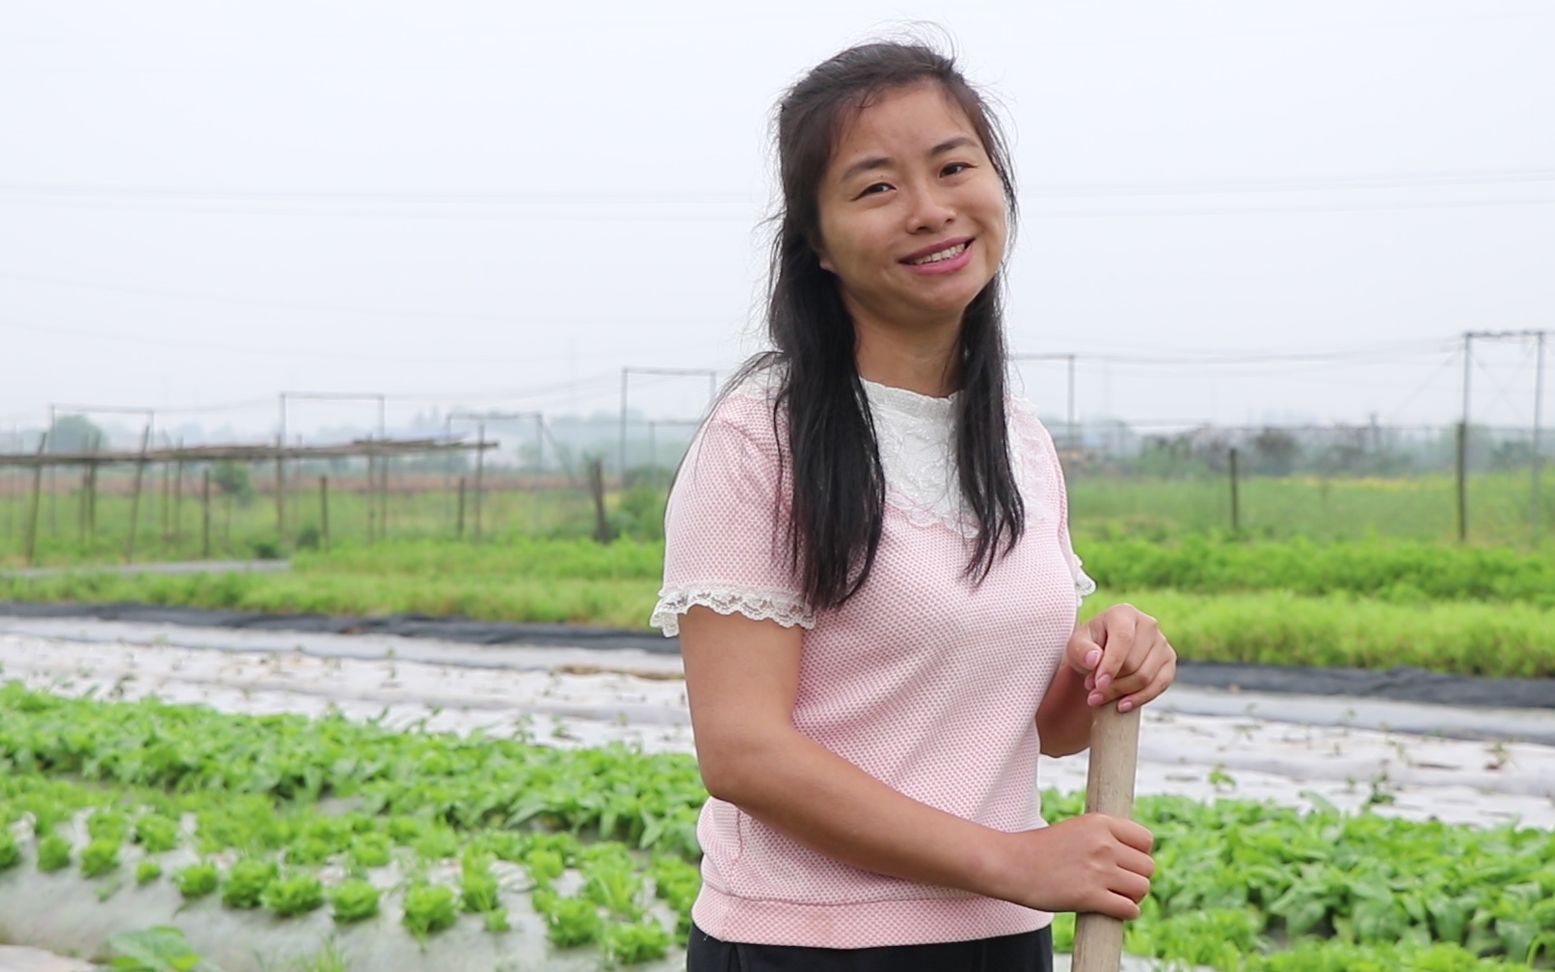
{"x": 916, "y": 435}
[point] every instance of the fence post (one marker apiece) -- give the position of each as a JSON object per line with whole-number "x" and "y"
{"x": 1538, "y": 457}
{"x": 1463, "y": 484}
{"x": 324, "y": 510}
{"x": 91, "y": 494}
{"x": 178, "y": 495}
{"x": 165, "y": 506}
{"x": 53, "y": 502}
{"x": 37, "y": 488}
{"x": 280, "y": 493}
{"x": 205, "y": 515}
{"x": 480, "y": 468}
{"x": 597, "y": 487}
{"x": 140, "y": 475}
{"x": 91, "y": 504}
{"x": 370, "y": 497}
{"x": 86, "y": 479}
{"x": 461, "y": 508}
{"x": 10, "y": 506}
{"x": 1236, "y": 506}
{"x": 383, "y": 498}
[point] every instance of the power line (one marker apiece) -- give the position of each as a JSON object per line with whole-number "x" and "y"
{"x": 1380, "y": 352}
{"x": 1444, "y": 364}
{"x": 268, "y": 402}
{"x": 1308, "y": 208}
{"x": 682, "y": 212}
{"x": 333, "y": 308}
{"x": 1361, "y": 180}
{"x": 237, "y": 348}
{"x": 466, "y": 197}
{"x": 1500, "y": 387}
{"x": 681, "y": 215}
{"x": 628, "y": 207}
{"x": 245, "y": 349}
{"x": 441, "y": 197}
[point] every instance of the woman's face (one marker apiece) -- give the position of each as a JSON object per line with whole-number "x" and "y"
{"x": 912, "y": 213}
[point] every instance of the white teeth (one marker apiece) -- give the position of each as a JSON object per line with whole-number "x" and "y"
{"x": 944, "y": 254}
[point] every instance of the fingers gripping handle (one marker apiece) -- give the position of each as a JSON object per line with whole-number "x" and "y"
{"x": 1109, "y": 789}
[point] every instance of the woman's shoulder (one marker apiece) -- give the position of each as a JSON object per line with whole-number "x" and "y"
{"x": 1024, "y": 424}
{"x": 734, "y": 456}
{"x": 747, "y": 404}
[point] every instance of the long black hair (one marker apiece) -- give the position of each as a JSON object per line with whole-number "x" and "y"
{"x": 838, "y": 498}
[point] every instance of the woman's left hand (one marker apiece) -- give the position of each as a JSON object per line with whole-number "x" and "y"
{"x": 1123, "y": 655}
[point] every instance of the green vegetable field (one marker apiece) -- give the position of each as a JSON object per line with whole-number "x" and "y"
{"x": 265, "y": 805}
{"x": 1367, "y": 604}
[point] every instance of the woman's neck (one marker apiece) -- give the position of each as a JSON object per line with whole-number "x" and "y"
{"x": 919, "y": 360}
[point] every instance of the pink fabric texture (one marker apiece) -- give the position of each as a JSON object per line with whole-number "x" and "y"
{"x": 922, "y": 680}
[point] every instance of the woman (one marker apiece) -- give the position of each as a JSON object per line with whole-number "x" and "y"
{"x": 869, "y": 567}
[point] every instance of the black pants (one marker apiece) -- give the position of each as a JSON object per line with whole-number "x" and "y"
{"x": 1030, "y": 952}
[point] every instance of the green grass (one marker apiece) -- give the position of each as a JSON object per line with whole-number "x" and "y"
{"x": 1421, "y": 508}
{"x": 1476, "y": 611}
{"x": 1398, "y": 572}
{"x": 1278, "y": 628}
{"x": 242, "y": 528}
{"x": 1407, "y": 508}
{"x": 610, "y": 603}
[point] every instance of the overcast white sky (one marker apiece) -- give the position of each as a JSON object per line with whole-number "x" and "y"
{"x": 203, "y": 204}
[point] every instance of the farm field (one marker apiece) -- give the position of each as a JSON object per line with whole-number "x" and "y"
{"x": 170, "y": 524}
{"x": 354, "y": 801}
{"x": 380, "y": 778}
{"x": 1363, "y": 604}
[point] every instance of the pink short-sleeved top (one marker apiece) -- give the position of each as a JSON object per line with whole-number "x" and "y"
{"x": 921, "y": 680}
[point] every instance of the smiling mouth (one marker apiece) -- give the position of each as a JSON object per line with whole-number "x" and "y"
{"x": 940, "y": 256}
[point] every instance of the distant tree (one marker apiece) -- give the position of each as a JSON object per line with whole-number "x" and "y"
{"x": 1511, "y": 454}
{"x": 1275, "y": 452}
{"x": 528, "y": 454}
{"x": 233, "y": 479}
{"x": 1347, "y": 452}
{"x": 1169, "y": 456}
{"x": 74, "y": 433}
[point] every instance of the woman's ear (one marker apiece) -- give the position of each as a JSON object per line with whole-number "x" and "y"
{"x": 820, "y": 255}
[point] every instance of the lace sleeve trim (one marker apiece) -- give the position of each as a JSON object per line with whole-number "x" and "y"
{"x": 758, "y": 605}
{"x": 1084, "y": 586}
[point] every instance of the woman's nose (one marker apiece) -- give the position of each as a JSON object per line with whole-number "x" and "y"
{"x": 929, "y": 209}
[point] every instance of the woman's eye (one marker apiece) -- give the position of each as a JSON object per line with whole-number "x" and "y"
{"x": 870, "y": 191}
{"x": 956, "y": 168}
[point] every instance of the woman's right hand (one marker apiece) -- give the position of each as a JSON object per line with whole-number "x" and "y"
{"x": 1090, "y": 863}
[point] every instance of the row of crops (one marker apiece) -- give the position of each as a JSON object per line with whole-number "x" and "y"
{"x": 426, "y": 834}
{"x": 1473, "y": 611}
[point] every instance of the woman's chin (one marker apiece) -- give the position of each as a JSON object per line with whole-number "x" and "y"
{"x": 954, "y": 297}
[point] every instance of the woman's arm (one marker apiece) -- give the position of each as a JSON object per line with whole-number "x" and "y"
{"x": 1064, "y": 716}
{"x": 741, "y": 681}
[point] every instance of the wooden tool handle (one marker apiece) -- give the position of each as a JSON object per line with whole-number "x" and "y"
{"x": 1109, "y": 789}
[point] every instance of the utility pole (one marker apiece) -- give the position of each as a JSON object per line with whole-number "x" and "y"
{"x": 1070, "y": 433}
{"x": 1538, "y": 458}
{"x": 626, "y": 375}
{"x": 1538, "y": 405}
{"x": 1463, "y": 442}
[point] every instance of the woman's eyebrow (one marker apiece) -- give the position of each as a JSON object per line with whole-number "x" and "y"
{"x": 885, "y": 162}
